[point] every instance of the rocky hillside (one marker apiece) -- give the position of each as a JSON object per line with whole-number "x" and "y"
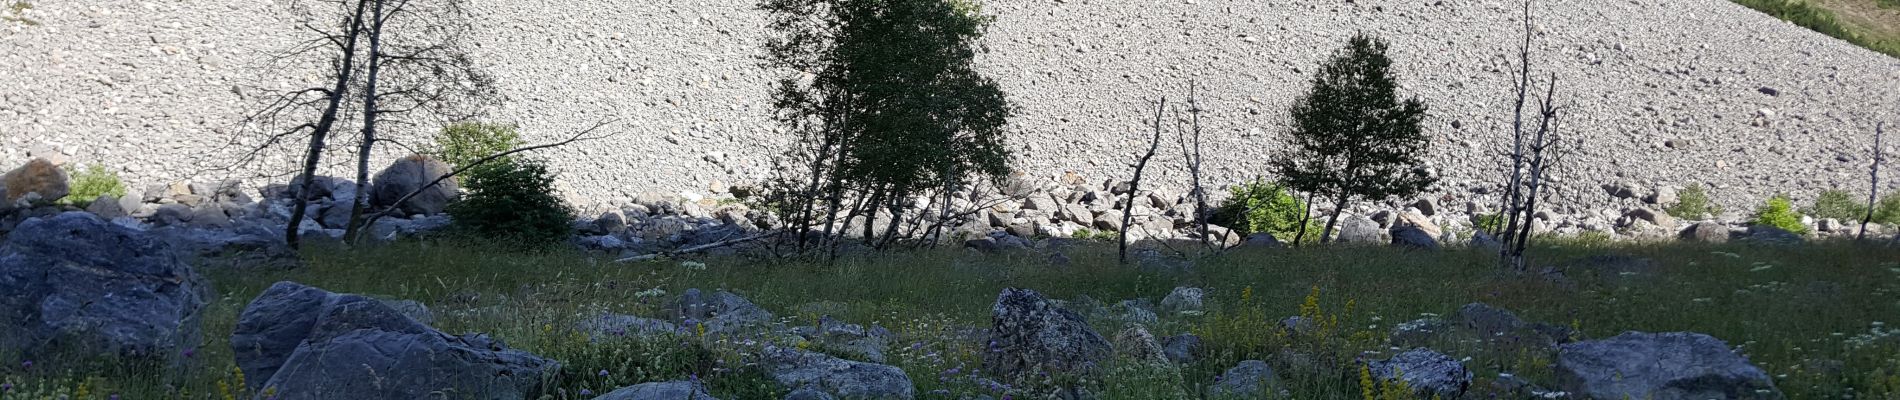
{"x": 1661, "y": 92}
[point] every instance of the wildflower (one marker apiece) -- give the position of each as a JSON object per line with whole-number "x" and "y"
{"x": 6, "y": 387}
{"x": 603, "y": 373}
{"x": 28, "y": 364}
{"x": 585, "y": 392}
{"x": 190, "y": 352}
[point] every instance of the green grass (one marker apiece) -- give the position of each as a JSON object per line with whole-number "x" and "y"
{"x": 1820, "y": 18}
{"x": 1805, "y": 314}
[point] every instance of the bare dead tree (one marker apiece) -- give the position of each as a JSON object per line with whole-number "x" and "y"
{"x": 1873, "y": 180}
{"x": 1532, "y": 155}
{"x": 1134, "y": 186}
{"x": 1507, "y": 211}
{"x": 1190, "y": 140}
{"x": 417, "y": 63}
{"x": 342, "y": 71}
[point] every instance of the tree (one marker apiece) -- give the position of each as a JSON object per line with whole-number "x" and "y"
{"x": 1134, "y": 186}
{"x": 885, "y": 104}
{"x": 1533, "y": 154}
{"x": 1873, "y": 185}
{"x": 1352, "y": 137}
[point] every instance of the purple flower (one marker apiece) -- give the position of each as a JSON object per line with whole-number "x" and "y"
{"x": 585, "y": 392}
{"x": 603, "y": 373}
{"x": 115, "y": 396}
{"x": 190, "y": 352}
{"x": 6, "y": 387}
{"x": 28, "y": 364}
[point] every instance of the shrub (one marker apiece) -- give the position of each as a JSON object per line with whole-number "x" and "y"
{"x": 1692, "y": 202}
{"x": 1489, "y": 223}
{"x": 1779, "y": 213}
{"x": 512, "y": 202}
{"x": 1262, "y": 207}
{"x": 1837, "y": 204}
{"x": 1887, "y": 212}
{"x": 462, "y": 143}
{"x": 89, "y": 184}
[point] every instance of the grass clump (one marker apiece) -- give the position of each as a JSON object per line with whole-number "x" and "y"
{"x": 1692, "y": 203}
{"x": 461, "y": 143}
{"x": 1779, "y": 212}
{"x": 92, "y": 182}
{"x": 513, "y": 202}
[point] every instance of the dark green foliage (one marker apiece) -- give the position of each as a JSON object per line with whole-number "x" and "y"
{"x": 1887, "y": 212}
{"x": 461, "y": 143}
{"x": 1261, "y": 207}
{"x": 1352, "y": 136}
{"x": 89, "y": 184}
{"x": 1837, "y": 204}
{"x": 1692, "y": 202}
{"x": 1491, "y": 222}
{"x": 1779, "y": 212}
{"x": 1818, "y": 19}
{"x": 513, "y": 203}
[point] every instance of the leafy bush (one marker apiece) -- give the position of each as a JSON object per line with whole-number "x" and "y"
{"x": 1490, "y": 222}
{"x": 1692, "y": 202}
{"x": 1262, "y": 207}
{"x": 1779, "y": 213}
{"x": 1887, "y": 212}
{"x": 461, "y": 143}
{"x": 512, "y": 202}
{"x": 1837, "y": 204}
{"x": 89, "y": 184}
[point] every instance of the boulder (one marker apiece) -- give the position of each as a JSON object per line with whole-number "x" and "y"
{"x": 1262, "y": 240}
{"x": 1427, "y": 372}
{"x": 720, "y": 312}
{"x": 843, "y": 379}
{"x": 1250, "y": 379}
{"x": 106, "y": 207}
{"x": 1182, "y": 299}
{"x": 810, "y": 394}
{"x": 73, "y": 282}
{"x": 1360, "y": 230}
{"x": 1764, "y": 234}
{"x": 37, "y": 182}
{"x": 1651, "y": 216}
{"x": 1028, "y": 333}
{"x": 1110, "y": 221}
{"x": 1415, "y": 219}
{"x": 1661, "y": 366}
{"x": 1135, "y": 343}
{"x": 1183, "y": 348}
{"x": 608, "y": 326}
{"x": 851, "y": 339}
{"x": 1414, "y": 237}
{"x": 670, "y": 390}
{"x": 1487, "y": 321}
{"x": 306, "y": 343}
{"x": 407, "y": 175}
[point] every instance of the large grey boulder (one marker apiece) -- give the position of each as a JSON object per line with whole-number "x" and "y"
{"x": 1359, "y": 230}
{"x": 407, "y": 175}
{"x": 670, "y": 390}
{"x": 1183, "y": 299}
{"x": 1184, "y": 348}
{"x": 844, "y": 379}
{"x": 1413, "y": 237}
{"x": 1028, "y": 333}
{"x": 1250, "y": 379}
{"x": 1427, "y": 372}
{"x": 73, "y": 282}
{"x": 306, "y": 343}
{"x": 1660, "y": 366}
{"x": 720, "y": 312}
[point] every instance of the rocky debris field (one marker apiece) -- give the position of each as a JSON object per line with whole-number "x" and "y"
{"x": 1660, "y": 93}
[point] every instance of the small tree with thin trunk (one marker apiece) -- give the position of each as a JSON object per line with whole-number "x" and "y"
{"x": 1352, "y": 137}
{"x": 1873, "y": 185}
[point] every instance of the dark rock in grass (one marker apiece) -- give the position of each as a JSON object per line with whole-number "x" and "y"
{"x": 307, "y": 343}
{"x": 1296, "y": 326}
{"x": 1261, "y": 240}
{"x": 1057, "y": 259}
{"x": 1414, "y": 238}
{"x": 1135, "y": 343}
{"x": 1486, "y": 242}
{"x": 1660, "y": 366}
{"x": 809, "y": 394}
{"x": 1706, "y": 232}
{"x": 247, "y": 244}
{"x": 1764, "y": 234}
{"x": 842, "y": 378}
{"x": 1183, "y": 348}
{"x": 852, "y": 339}
{"x": 671, "y": 390}
{"x": 1250, "y": 379}
{"x": 1134, "y": 310}
{"x": 73, "y": 286}
{"x": 415, "y": 310}
{"x": 1488, "y": 321}
{"x": 721, "y": 312}
{"x": 1183, "y": 299}
{"x": 1427, "y": 372}
{"x": 1028, "y": 334}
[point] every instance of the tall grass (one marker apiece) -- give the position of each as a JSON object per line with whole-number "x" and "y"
{"x": 1814, "y": 17}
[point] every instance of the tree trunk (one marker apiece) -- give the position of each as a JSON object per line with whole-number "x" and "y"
{"x": 1339, "y": 206}
{"x": 1873, "y": 185}
{"x": 321, "y": 131}
{"x": 370, "y": 95}
{"x": 1306, "y": 218}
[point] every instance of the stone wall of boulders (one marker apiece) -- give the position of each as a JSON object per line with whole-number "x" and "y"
{"x": 1661, "y": 93}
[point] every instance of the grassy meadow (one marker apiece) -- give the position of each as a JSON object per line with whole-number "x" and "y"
{"x": 1816, "y": 317}
{"x": 1873, "y": 24}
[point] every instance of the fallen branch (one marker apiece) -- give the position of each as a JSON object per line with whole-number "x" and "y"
{"x": 703, "y": 247}
{"x": 578, "y": 137}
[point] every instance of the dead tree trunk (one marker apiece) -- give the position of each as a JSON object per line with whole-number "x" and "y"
{"x": 1134, "y": 186}
{"x": 1190, "y": 139}
{"x": 1508, "y": 210}
{"x": 361, "y": 202}
{"x": 1873, "y": 184}
{"x": 345, "y": 68}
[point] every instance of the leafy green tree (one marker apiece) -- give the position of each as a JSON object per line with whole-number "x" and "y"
{"x": 885, "y": 103}
{"x": 1259, "y": 206}
{"x": 461, "y": 143}
{"x": 1352, "y": 136}
{"x": 512, "y": 202}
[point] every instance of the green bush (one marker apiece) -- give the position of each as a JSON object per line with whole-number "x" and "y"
{"x": 1779, "y": 213}
{"x": 1887, "y": 212}
{"x": 461, "y": 143}
{"x": 1819, "y": 19}
{"x": 1490, "y": 222}
{"x": 1837, "y": 204}
{"x": 1262, "y": 207}
{"x": 1692, "y": 202}
{"x": 89, "y": 184}
{"x": 512, "y": 202}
